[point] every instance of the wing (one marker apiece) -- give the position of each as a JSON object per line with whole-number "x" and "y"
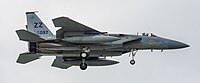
{"x": 71, "y": 27}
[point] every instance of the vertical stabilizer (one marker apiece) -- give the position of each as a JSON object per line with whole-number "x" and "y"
{"x": 36, "y": 26}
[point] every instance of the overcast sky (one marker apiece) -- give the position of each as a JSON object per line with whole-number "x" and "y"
{"x": 175, "y": 19}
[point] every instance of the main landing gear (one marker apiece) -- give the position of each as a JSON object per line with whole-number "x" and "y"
{"x": 83, "y": 65}
{"x": 133, "y": 53}
{"x": 84, "y": 55}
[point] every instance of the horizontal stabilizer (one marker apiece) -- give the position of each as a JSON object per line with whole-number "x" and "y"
{"x": 27, "y": 57}
{"x": 28, "y": 36}
{"x": 58, "y": 62}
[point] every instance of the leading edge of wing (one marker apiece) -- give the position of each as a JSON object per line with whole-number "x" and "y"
{"x": 69, "y": 25}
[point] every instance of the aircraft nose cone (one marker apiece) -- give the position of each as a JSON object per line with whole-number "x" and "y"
{"x": 176, "y": 45}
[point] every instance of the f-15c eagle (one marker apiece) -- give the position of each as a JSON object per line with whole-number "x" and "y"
{"x": 78, "y": 45}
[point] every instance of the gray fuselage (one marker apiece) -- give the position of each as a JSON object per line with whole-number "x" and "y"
{"x": 118, "y": 45}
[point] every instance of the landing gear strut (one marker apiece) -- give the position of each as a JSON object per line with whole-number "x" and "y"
{"x": 133, "y": 53}
{"x": 84, "y": 55}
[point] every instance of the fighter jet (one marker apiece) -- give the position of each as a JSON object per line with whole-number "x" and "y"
{"x": 76, "y": 44}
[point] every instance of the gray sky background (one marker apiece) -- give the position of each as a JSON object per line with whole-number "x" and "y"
{"x": 175, "y": 19}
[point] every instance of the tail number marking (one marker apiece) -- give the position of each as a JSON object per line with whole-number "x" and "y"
{"x": 38, "y": 24}
{"x": 42, "y": 32}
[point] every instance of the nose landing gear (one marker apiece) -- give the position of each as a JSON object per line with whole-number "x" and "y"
{"x": 133, "y": 53}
